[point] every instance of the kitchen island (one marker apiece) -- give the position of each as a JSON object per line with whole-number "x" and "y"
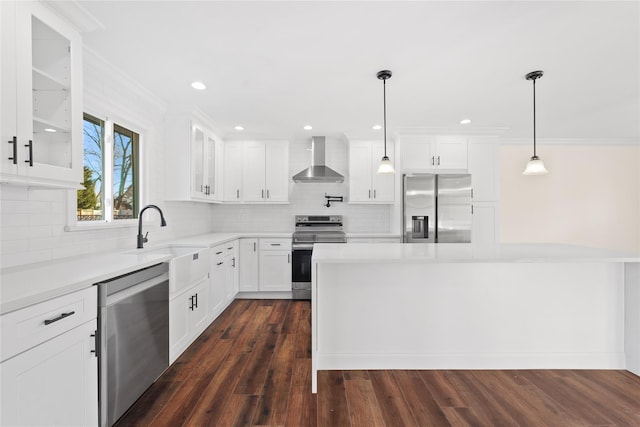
{"x": 463, "y": 306}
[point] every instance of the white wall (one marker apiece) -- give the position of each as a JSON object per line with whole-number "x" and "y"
{"x": 306, "y": 199}
{"x": 590, "y": 197}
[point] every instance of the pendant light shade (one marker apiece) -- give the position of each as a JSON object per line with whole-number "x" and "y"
{"x": 385, "y": 164}
{"x": 535, "y": 165}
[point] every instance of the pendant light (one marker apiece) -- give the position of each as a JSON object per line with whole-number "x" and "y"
{"x": 385, "y": 164}
{"x": 535, "y": 165}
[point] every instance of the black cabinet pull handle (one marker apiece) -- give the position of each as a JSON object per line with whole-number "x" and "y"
{"x": 15, "y": 150}
{"x": 267, "y": 194}
{"x": 218, "y": 253}
{"x": 254, "y": 246}
{"x": 220, "y": 263}
{"x": 237, "y": 194}
{"x": 62, "y": 316}
{"x": 30, "y": 145}
{"x": 438, "y": 160}
{"x": 191, "y": 300}
{"x": 196, "y": 297}
{"x": 233, "y": 262}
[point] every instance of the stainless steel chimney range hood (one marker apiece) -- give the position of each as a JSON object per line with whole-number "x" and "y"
{"x": 318, "y": 172}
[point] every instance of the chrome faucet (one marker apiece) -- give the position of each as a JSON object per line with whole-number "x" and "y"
{"x": 143, "y": 239}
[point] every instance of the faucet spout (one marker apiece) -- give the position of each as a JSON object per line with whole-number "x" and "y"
{"x": 143, "y": 239}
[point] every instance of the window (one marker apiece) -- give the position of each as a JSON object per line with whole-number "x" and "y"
{"x": 111, "y": 180}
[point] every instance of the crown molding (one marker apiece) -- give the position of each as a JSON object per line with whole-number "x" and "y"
{"x": 76, "y": 14}
{"x": 466, "y": 130}
{"x": 570, "y": 141}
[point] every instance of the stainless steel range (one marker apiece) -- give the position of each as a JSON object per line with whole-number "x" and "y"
{"x": 311, "y": 229}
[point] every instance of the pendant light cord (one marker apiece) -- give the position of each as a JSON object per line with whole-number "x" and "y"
{"x": 384, "y": 103}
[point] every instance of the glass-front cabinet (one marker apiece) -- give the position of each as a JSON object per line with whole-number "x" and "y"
{"x": 42, "y": 94}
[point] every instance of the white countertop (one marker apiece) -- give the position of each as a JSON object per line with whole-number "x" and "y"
{"x": 463, "y": 252}
{"x": 30, "y": 284}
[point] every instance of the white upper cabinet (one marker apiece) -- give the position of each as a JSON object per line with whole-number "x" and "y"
{"x": 41, "y": 123}
{"x": 232, "y": 172}
{"x": 365, "y": 185}
{"x": 428, "y": 152}
{"x": 256, "y": 171}
{"x": 253, "y": 171}
{"x": 193, "y": 154}
{"x": 205, "y": 149}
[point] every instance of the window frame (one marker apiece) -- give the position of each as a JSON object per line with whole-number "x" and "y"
{"x": 72, "y": 198}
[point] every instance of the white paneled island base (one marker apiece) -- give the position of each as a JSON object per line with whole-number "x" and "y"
{"x": 454, "y": 306}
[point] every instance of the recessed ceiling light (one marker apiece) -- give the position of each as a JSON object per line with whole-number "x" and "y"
{"x": 307, "y": 127}
{"x": 49, "y": 130}
{"x": 198, "y": 85}
{"x": 376, "y": 127}
{"x": 238, "y": 128}
{"x": 465, "y": 121}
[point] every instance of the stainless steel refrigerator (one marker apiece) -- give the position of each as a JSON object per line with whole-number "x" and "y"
{"x": 437, "y": 208}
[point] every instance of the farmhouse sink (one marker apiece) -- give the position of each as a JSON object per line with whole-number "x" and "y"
{"x": 187, "y": 266}
{"x": 172, "y": 250}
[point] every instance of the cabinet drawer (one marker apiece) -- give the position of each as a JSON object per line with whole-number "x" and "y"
{"x": 275, "y": 244}
{"x": 30, "y": 326}
{"x": 217, "y": 253}
{"x": 229, "y": 247}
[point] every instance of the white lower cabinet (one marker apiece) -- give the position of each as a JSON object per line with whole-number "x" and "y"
{"x": 248, "y": 280}
{"x": 484, "y": 224}
{"x": 55, "y": 381}
{"x": 188, "y": 316}
{"x": 232, "y": 271}
{"x": 275, "y": 265}
{"x": 224, "y": 280}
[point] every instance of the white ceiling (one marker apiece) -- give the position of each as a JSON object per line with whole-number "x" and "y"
{"x": 273, "y": 67}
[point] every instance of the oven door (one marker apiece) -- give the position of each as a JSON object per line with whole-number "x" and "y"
{"x": 301, "y": 272}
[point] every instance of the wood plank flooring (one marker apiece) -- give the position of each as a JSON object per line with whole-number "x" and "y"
{"x": 252, "y": 367}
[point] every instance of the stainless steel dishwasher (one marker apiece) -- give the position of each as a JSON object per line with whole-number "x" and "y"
{"x": 133, "y": 337}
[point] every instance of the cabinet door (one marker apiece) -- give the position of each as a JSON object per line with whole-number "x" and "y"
{"x": 253, "y": 171}
{"x": 198, "y": 308}
{"x": 54, "y": 383}
{"x": 216, "y": 287}
{"x": 483, "y": 167}
{"x": 360, "y": 172}
{"x": 275, "y": 271}
{"x": 229, "y": 276}
{"x": 417, "y": 153}
{"x": 383, "y": 184}
{"x": 248, "y": 281}
{"x": 232, "y": 172}
{"x": 484, "y": 225}
{"x": 8, "y": 123}
{"x": 49, "y": 95}
{"x": 211, "y": 155}
{"x": 197, "y": 163}
{"x": 451, "y": 152}
{"x": 179, "y": 324}
{"x": 277, "y": 171}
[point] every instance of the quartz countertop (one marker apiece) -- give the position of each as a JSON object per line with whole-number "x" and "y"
{"x": 30, "y": 284}
{"x": 463, "y": 252}
{"x": 25, "y": 285}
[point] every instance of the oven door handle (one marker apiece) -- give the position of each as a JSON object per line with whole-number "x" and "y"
{"x": 302, "y": 246}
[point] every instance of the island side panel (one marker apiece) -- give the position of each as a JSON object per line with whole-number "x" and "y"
{"x": 469, "y": 316}
{"x": 632, "y": 316}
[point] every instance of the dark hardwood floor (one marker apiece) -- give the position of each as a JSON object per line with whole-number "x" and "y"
{"x": 252, "y": 366}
